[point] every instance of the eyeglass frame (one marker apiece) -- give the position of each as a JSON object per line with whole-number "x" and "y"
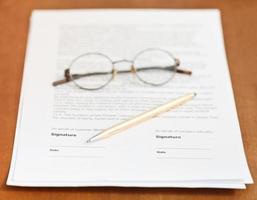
{"x": 68, "y": 77}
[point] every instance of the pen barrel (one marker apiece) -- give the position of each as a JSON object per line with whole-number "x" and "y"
{"x": 144, "y": 116}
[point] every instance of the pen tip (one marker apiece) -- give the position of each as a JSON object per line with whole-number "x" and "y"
{"x": 194, "y": 94}
{"x": 88, "y": 141}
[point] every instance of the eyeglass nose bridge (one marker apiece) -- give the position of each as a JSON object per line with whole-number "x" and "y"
{"x": 123, "y": 60}
{"x": 132, "y": 68}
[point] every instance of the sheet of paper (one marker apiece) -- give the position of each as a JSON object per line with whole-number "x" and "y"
{"x": 196, "y": 145}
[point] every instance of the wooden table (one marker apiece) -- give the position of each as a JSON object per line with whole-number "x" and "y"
{"x": 240, "y": 32}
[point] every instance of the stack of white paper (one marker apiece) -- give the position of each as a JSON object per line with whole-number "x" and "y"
{"x": 197, "y": 145}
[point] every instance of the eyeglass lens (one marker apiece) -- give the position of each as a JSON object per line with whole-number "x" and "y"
{"x": 155, "y": 67}
{"x": 91, "y": 71}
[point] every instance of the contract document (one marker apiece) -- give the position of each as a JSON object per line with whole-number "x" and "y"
{"x": 198, "y": 144}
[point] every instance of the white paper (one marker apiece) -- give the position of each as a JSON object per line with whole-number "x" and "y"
{"x": 196, "y": 145}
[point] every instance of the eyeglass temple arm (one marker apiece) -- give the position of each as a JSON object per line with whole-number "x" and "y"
{"x": 65, "y": 80}
{"x": 171, "y": 67}
{"x": 184, "y": 71}
{"x": 181, "y": 71}
{"x": 77, "y": 76}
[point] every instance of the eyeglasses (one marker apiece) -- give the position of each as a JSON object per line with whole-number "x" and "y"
{"x": 93, "y": 71}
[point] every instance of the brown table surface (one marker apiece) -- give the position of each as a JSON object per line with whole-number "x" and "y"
{"x": 239, "y": 20}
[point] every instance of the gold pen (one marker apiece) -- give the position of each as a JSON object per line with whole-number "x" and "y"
{"x": 141, "y": 117}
